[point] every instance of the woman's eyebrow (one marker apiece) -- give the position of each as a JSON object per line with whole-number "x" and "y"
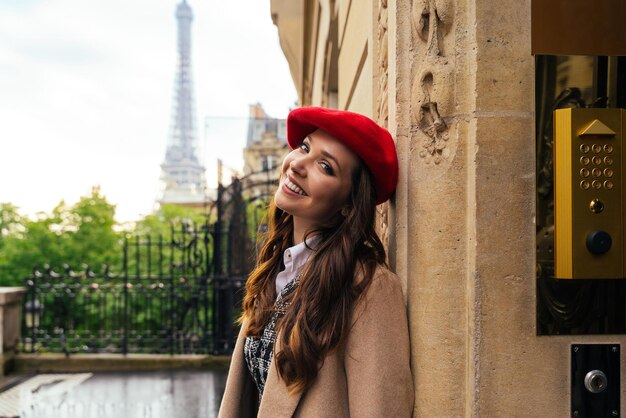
{"x": 326, "y": 154}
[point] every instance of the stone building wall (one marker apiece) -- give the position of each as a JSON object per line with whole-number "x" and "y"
{"x": 266, "y": 147}
{"x": 262, "y": 164}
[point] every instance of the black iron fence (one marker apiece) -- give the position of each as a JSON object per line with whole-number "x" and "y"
{"x": 178, "y": 294}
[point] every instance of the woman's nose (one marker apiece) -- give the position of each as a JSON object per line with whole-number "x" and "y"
{"x": 298, "y": 166}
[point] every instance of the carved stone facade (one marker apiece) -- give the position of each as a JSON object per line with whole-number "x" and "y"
{"x": 381, "y": 79}
{"x": 432, "y": 98}
{"x": 382, "y": 61}
{"x": 266, "y": 147}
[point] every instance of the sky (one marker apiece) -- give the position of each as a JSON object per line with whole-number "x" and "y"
{"x": 86, "y": 92}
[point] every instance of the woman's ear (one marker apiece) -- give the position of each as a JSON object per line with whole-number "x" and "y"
{"x": 345, "y": 211}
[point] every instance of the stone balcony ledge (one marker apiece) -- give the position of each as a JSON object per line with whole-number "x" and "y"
{"x": 79, "y": 363}
{"x": 10, "y": 295}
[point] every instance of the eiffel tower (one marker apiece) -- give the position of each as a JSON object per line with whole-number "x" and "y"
{"x": 182, "y": 172}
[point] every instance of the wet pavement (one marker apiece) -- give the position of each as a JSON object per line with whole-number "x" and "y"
{"x": 171, "y": 394}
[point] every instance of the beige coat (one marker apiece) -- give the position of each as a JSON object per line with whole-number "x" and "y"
{"x": 369, "y": 377}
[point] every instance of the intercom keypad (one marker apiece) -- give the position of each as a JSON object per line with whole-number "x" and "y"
{"x": 596, "y": 163}
{"x": 589, "y": 193}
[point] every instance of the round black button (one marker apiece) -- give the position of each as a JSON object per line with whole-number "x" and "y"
{"x": 596, "y": 206}
{"x": 599, "y": 242}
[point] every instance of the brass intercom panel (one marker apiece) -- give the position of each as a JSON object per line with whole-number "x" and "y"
{"x": 589, "y": 183}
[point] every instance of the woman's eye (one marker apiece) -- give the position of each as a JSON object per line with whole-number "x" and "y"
{"x": 304, "y": 147}
{"x": 326, "y": 167}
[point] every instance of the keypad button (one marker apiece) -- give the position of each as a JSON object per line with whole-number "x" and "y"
{"x": 584, "y": 160}
{"x": 608, "y": 148}
{"x": 608, "y": 172}
{"x": 584, "y": 172}
{"x": 608, "y": 160}
{"x": 596, "y": 148}
{"x": 584, "y": 184}
{"x": 596, "y": 184}
{"x": 596, "y": 172}
{"x": 608, "y": 184}
{"x": 584, "y": 148}
{"x": 597, "y": 160}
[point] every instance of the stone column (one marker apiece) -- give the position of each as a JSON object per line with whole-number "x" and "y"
{"x": 460, "y": 95}
{"x": 11, "y": 320}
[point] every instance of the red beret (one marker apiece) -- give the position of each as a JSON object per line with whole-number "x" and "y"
{"x": 361, "y": 134}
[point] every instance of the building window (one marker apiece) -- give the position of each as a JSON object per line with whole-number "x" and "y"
{"x": 282, "y": 130}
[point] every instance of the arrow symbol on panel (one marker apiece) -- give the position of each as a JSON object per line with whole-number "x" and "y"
{"x": 597, "y": 128}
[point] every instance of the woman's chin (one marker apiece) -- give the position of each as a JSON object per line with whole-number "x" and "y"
{"x": 281, "y": 202}
{"x": 285, "y": 199}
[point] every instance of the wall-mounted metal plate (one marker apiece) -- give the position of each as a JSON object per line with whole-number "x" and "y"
{"x": 595, "y": 380}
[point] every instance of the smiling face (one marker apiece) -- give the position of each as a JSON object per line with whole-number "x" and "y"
{"x": 316, "y": 180}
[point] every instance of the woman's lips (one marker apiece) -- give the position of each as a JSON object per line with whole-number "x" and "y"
{"x": 293, "y": 187}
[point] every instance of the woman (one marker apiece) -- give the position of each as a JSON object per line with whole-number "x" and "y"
{"x": 324, "y": 330}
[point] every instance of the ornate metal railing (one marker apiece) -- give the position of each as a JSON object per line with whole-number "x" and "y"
{"x": 176, "y": 295}
{"x": 166, "y": 301}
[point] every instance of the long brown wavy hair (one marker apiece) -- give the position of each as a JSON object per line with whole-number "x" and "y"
{"x": 321, "y": 305}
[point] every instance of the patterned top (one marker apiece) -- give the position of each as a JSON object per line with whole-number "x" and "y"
{"x": 258, "y": 351}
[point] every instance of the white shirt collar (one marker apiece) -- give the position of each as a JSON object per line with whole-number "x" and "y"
{"x": 294, "y": 259}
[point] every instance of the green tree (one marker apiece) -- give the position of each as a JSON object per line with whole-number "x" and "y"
{"x": 11, "y": 222}
{"x": 256, "y": 211}
{"x": 31, "y": 243}
{"x": 91, "y": 234}
{"x": 168, "y": 215}
{"x": 74, "y": 235}
{"x": 86, "y": 233}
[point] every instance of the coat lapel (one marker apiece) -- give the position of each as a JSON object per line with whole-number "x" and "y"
{"x": 276, "y": 401}
{"x": 240, "y": 395}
